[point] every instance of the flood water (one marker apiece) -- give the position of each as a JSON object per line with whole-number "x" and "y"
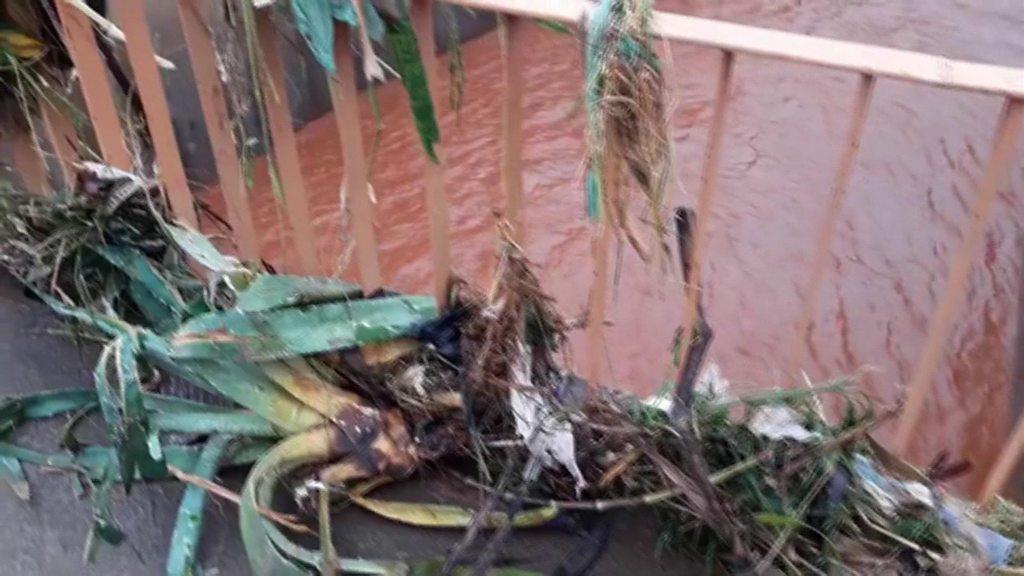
{"x": 909, "y": 197}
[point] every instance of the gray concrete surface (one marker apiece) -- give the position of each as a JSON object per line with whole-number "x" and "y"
{"x": 45, "y": 536}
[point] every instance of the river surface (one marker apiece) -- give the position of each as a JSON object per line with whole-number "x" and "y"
{"x": 912, "y": 186}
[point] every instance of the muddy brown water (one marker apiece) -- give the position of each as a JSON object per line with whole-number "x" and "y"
{"x": 909, "y": 197}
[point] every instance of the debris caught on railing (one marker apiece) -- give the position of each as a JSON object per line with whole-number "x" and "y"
{"x": 323, "y": 387}
{"x": 624, "y": 94}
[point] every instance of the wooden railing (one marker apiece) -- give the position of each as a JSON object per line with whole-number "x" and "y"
{"x": 732, "y": 40}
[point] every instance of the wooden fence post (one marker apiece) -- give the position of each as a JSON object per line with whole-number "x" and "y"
{"x": 345, "y": 101}
{"x": 63, "y": 137}
{"x": 26, "y": 157}
{"x": 1001, "y": 470}
{"x": 827, "y": 226}
{"x": 132, "y": 18}
{"x": 92, "y": 73}
{"x": 218, "y": 127}
{"x": 286, "y": 151}
{"x": 422, "y": 16}
{"x": 946, "y": 310}
{"x": 597, "y": 304}
{"x": 510, "y": 32}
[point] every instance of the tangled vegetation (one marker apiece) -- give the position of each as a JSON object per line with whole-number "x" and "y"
{"x": 331, "y": 391}
{"x": 326, "y": 392}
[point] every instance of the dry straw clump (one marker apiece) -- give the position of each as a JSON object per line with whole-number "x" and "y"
{"x": 625, "y": 97}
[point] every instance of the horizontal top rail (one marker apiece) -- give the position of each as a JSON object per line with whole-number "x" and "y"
{"x": 840, "y": 54}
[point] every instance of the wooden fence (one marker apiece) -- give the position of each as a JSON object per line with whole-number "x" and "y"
{"x": 732, "y": 40}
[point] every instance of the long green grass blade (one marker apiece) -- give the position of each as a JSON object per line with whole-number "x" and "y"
{"x": 104, "y": 527}
{"x": 142, "y": 443}
{"x": 402, "y": 41}
{"x": 181, "y": 558}
{"x": 93, "y": 461}
{"x": 156, "y": 298}
{"x": 270, "y": 552}
{"x": 203, "y": 251}
{"x": 428, "y": 515}
{"x": 12, "y": 473}
{"x": 246, "y": 384}
{"x": 272, "y": 291}
{"x": 240, "y": 423}
{"x": 265, "y": 558}
{"x": 291, "y": 332}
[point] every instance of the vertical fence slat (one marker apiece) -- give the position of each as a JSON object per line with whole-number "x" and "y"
{"x": 512, "y": 55}
{"x": 422, "y": 16}
{"x": 942, "y": 319}
{"x": 63, "y": 137}
{"x": 706, "y": 195}
{"x": 201, "y": 51}
{"x": 1005, "y": 464}
{"x": 132, "y": 18}
{"x": 344, "y": 98}
{"x": 92, "y": 73}
{"x": 286, "y": 151}
{"x": 27, "y": 158}
{"x": 597, "y": 305}
{"x": 827, "y": 226}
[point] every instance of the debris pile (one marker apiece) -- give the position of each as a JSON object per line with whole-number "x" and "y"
{"x": 329, "y": 392}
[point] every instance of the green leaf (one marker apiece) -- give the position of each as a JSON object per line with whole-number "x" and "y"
{"x": 409, "y": 64}
{"x": 93, "y": 461}
{"x": 448, "y": 516}
{"x": 181, "y": 558}
{"x": 199, "y": 247}
{"x": 313, "y": 21}
{"x": 291, "y": 332}
{"x": 245, "y": 383}
{"x": 778, "y": 520}
{"x": 49, "y": 404}
{"x": 158, "y": 301}
{"x": 595, "y": 206}
{"x": 272, "y": 291}
{"x": 143, "y": 444}
{"x": 553, "y": 25}
{"x": 270, "y": 552}
{"x": 12, "y": 473}
{"x": 104, "y": 527}
{"x": 111, "y": 410}
{"x": 239, "y": 422}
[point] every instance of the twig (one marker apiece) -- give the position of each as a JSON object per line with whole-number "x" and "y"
{"x": 715, "y": 479}
{"x": 700, "y": 334}
{"x": 287, "y": 520}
